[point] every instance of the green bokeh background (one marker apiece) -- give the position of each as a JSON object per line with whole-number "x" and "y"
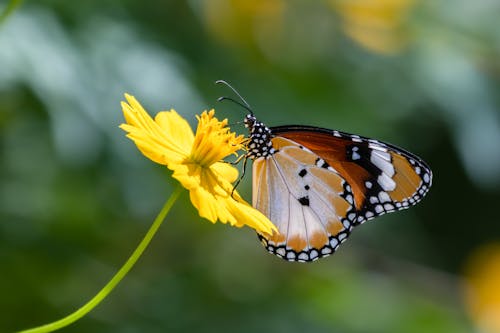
{"x": 76, "y": 196}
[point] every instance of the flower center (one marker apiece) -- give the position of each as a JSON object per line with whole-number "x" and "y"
{"x": 213, "y": 141}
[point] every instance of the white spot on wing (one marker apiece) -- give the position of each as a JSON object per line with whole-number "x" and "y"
{"x": 313, "y": 255}
{"x": 426, "y": 178}
{"x": 326, "y": 250}
{"x": 334, "y": 242}
{"x": 356, "y": 138}
{"x": 386, "y": 182}
{"x": 388, "y": 207}
{"x": 384, "y": 197}
{"x": 376, "y": 146}
{"x": 382, "y": 160}
{"x": 303, "y": 256}
{"x": 349, "y": 199}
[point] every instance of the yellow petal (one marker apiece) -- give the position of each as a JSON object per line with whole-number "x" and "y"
{"x": 247, "y": 215}
{"x": 150, "y": 148}
{"x": 225, "y": 170}
{"x": 176, "y": 127}
{"x": 205, "y": 204}
{"x": 188, "y": 174}
{"x": 215, "y": 200}
{"x": 152, "y": 140}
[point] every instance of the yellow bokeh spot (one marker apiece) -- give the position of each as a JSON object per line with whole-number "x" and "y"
{"x": 380, "y": 26}
{"x": 239, "y": 21}
{"x": 482, "y": 287}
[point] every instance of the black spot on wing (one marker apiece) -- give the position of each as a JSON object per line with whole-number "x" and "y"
{"x": 304, "y": 201}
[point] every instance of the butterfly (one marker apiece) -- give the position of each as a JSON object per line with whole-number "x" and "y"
{"x": 316, "y": 184}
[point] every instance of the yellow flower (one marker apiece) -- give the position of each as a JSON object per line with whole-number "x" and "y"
{"x": 196, "y": 161}
{"x": 482, "y": 289}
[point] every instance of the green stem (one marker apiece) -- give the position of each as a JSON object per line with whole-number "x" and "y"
{"x": 9, "y": 9}
{"x": 101, "y": 295}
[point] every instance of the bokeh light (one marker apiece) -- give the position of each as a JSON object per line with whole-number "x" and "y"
{"x": 481, "y": 289}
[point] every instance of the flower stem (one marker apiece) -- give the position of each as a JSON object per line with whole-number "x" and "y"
{"x": 9, "y": 9}
{"x": 101, "y": 295}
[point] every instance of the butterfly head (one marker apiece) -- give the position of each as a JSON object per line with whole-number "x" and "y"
{"x": 250, "y": 121}
{"x": 259, "y": 141}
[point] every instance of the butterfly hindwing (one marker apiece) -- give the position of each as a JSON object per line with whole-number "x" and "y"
{"x": 309, "y": 202}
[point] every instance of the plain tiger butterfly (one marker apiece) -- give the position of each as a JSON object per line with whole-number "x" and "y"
{"x": 316, "y": 184}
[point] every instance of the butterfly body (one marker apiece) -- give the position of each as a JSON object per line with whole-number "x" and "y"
{"x": 316, "y": 184}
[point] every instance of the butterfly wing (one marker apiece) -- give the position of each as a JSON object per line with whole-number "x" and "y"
{"x": 310, "y": 203}
{"x": 383, "y": 177}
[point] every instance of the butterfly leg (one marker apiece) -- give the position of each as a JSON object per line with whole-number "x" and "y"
{"x": 242, "y": 173}
{"x": 238, "y": 160}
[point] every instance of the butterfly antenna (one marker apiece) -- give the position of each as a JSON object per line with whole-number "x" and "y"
{"x": 224, "y": 98}
{"x": 245, "y": 104}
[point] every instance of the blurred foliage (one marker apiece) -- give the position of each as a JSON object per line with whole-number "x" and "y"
{"x": 76, "y": 196}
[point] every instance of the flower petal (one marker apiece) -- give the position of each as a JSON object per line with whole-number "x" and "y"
{"x": 155, "y": 142}
{"x": 215, "y": 200}
{"x": 225, "y": 170}
{"x": 176, "y": 127}
{"x": 188, "y": 174}
{"x": 209, "y": 207}
{"x": 150, "y": 148}
{"x": 247, "y": 215}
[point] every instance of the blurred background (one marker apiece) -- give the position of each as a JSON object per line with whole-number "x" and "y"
{"x": 76, "y": 196}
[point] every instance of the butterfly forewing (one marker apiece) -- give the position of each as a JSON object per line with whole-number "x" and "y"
{"x": 383, "y": 177}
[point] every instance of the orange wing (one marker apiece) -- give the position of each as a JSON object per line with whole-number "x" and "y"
{"x": 383, "y": 177}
